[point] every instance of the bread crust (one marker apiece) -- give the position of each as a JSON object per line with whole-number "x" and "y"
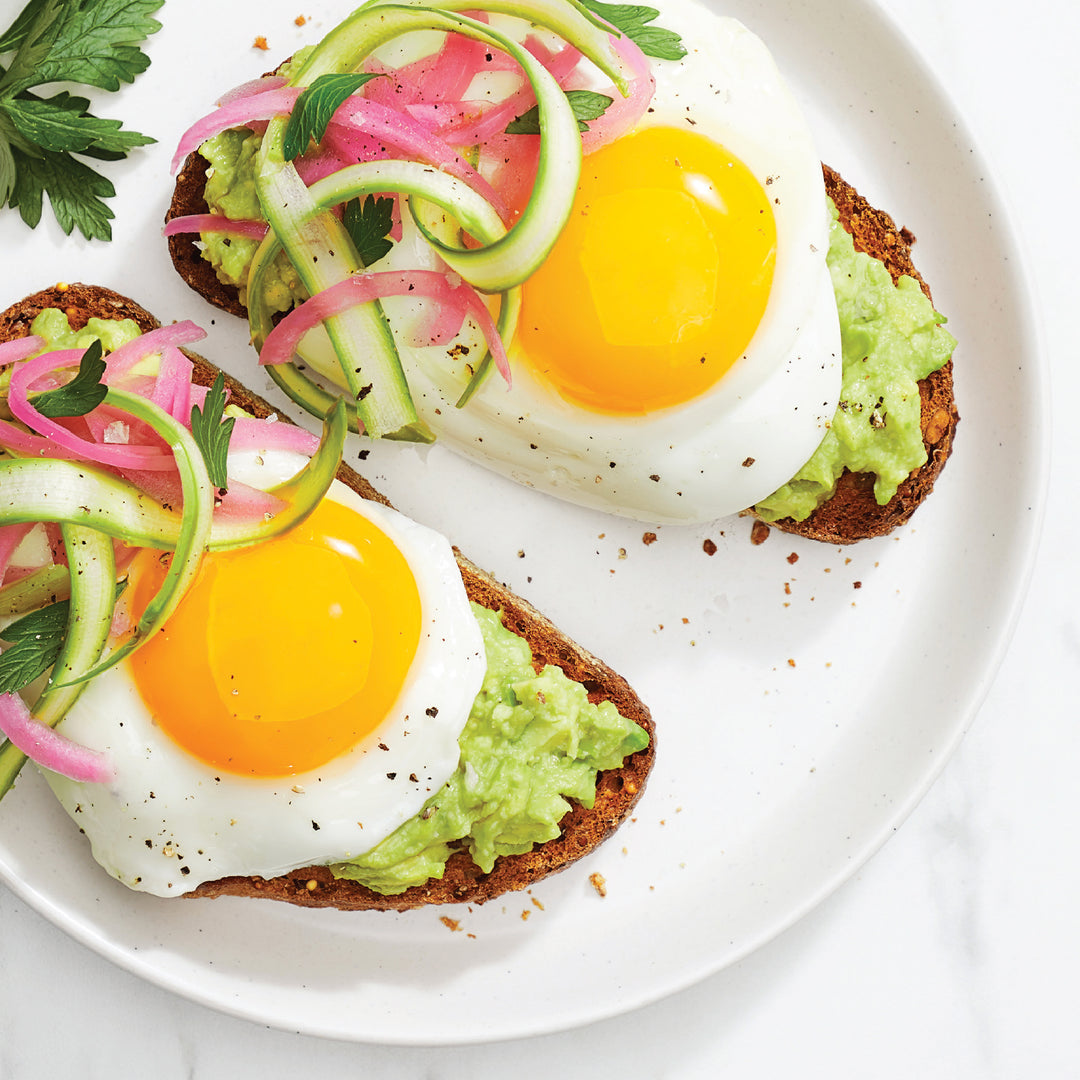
{"x": 582, "y": 829}
{"x": 852, "y": 513}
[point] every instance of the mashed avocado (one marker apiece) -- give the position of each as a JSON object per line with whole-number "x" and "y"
{"x": 531, "y": 743}
{"x": 52, "y": 324}
{"x": 230, "y": 190}
{"x": 890, "y": 338}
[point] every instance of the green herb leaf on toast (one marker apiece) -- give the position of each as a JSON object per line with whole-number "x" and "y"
{"x": 369, "y": 221}
{"x": 586, "y": 104}
{"x": 315, "y": 106}
{"x": 212, "y": 433}
{"x": 85, "y": 392}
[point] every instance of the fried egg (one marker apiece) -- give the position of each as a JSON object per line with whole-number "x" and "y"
{"x": 305, "y": 700}
{"x": 678, "y": 354}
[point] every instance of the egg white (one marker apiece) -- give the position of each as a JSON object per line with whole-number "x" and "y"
{"x": 759, "y": 424}
{"x": 169, "y": 821}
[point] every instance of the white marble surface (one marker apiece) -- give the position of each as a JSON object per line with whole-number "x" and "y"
{"x": 952, "y": 954}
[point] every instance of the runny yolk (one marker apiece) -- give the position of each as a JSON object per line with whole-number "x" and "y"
{"x": 283, "y": 655}
{"x": 660, "y": 278}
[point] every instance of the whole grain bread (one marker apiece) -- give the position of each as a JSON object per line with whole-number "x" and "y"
{"x": 582, "y": 828}
{"x": 852, "y": 513}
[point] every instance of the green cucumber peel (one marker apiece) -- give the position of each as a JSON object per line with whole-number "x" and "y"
{"x": 570, "y": 19}
{"x": 83, "y": 494}
{"x": 43, "y": 586}
{"x": 193, "y": 537}
{"x": 424, "y": 185}
{"x": 321, "y": 250}
{"x": 92, "y": 577}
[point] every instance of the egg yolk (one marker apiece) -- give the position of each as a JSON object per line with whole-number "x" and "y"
{"x": 660, "y": 278}
{"x": 283, "y": 655}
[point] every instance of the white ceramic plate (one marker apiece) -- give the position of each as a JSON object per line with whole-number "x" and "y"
{"x": 803, "y": 707}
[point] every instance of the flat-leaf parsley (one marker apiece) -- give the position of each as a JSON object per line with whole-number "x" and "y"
{"x": 88, "y": 42}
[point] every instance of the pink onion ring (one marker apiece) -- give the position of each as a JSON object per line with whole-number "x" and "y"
{"x": 49, "y": 748}
{"x": 445, "y": 288}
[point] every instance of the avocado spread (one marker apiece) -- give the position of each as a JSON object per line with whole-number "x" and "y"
{"x": 531, "y": 743}
{"x": 890, "y": 339}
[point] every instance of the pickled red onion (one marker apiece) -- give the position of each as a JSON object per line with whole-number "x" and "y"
{"x": 123, "y": 359}
{"x": 446, "y": 288}
{"x": 20, "y": 348}
{"x": 238, "y": 112}
{"x": 361, "y": 116}
{"x": 251, "y": 434}
{"x": 130, "y": 457}
{"x": 252, "y": 87}
{"x": 200, "y": 223}
{"x": 49, "y": 748}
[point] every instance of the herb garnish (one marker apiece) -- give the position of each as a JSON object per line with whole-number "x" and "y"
{"x": 84, "y": 393}
{"x": 36, "y": 640}
{"x": 212, "y": 434}
{"x": 368, "y": 223}
{"x": 315, "y": 106}
{"x": 630, "y": 19}
{"x": 90, "y": 42}
{"x": 586, "y": 104}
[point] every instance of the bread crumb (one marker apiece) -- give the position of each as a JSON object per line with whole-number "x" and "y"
{"x": 856, "y": 584}
{"x": 709, "y": 547}
{"x": 759, "y": 533}
{"x": 648, "y": 538}
{"x": 790, "y": 663}
{"x": 450, "y": 924}
{"x": 793, "y": 558}
{"x": 622, "y": 553}
{"x": 536, "y": 903}
{"x": 260, "y": 43}
{"x": 525, "y": 914}
{"x": 300, "y": 20}
{"x": 598, "y": 883}
{"x": 787, "y": 588}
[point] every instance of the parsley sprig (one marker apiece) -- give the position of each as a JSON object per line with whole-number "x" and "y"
{"x": 85, "y": 392}
{"x": 632, "y": 20}
{"x": 369, "y": 223}
{"x": 586, "y": 105}
{"x": 212, "y": 433}
{"x": 88, "y": 42}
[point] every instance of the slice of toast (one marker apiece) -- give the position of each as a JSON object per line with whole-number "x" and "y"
{"x": 852, "y": 513}
{"x": 582, "y": 829}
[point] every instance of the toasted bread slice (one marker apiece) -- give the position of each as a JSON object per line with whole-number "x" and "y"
{"x": 582, "y": 828}
{"x": 852, "y": 513}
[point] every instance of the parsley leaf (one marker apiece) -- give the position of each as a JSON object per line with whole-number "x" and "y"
{"x": 587, "y": 105}
{"x": 315, "y": 106}
{"x": 85, "y": 392}
{"x": 92, "y": 42}
{"x": 36, "y": 640}
{"x": 212, "y": 434}
{"x": 63, "y": 122}
{"x": 368, "y": 224}
{"x": 630, "y": 19}
{"x": 75, "y": 193}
